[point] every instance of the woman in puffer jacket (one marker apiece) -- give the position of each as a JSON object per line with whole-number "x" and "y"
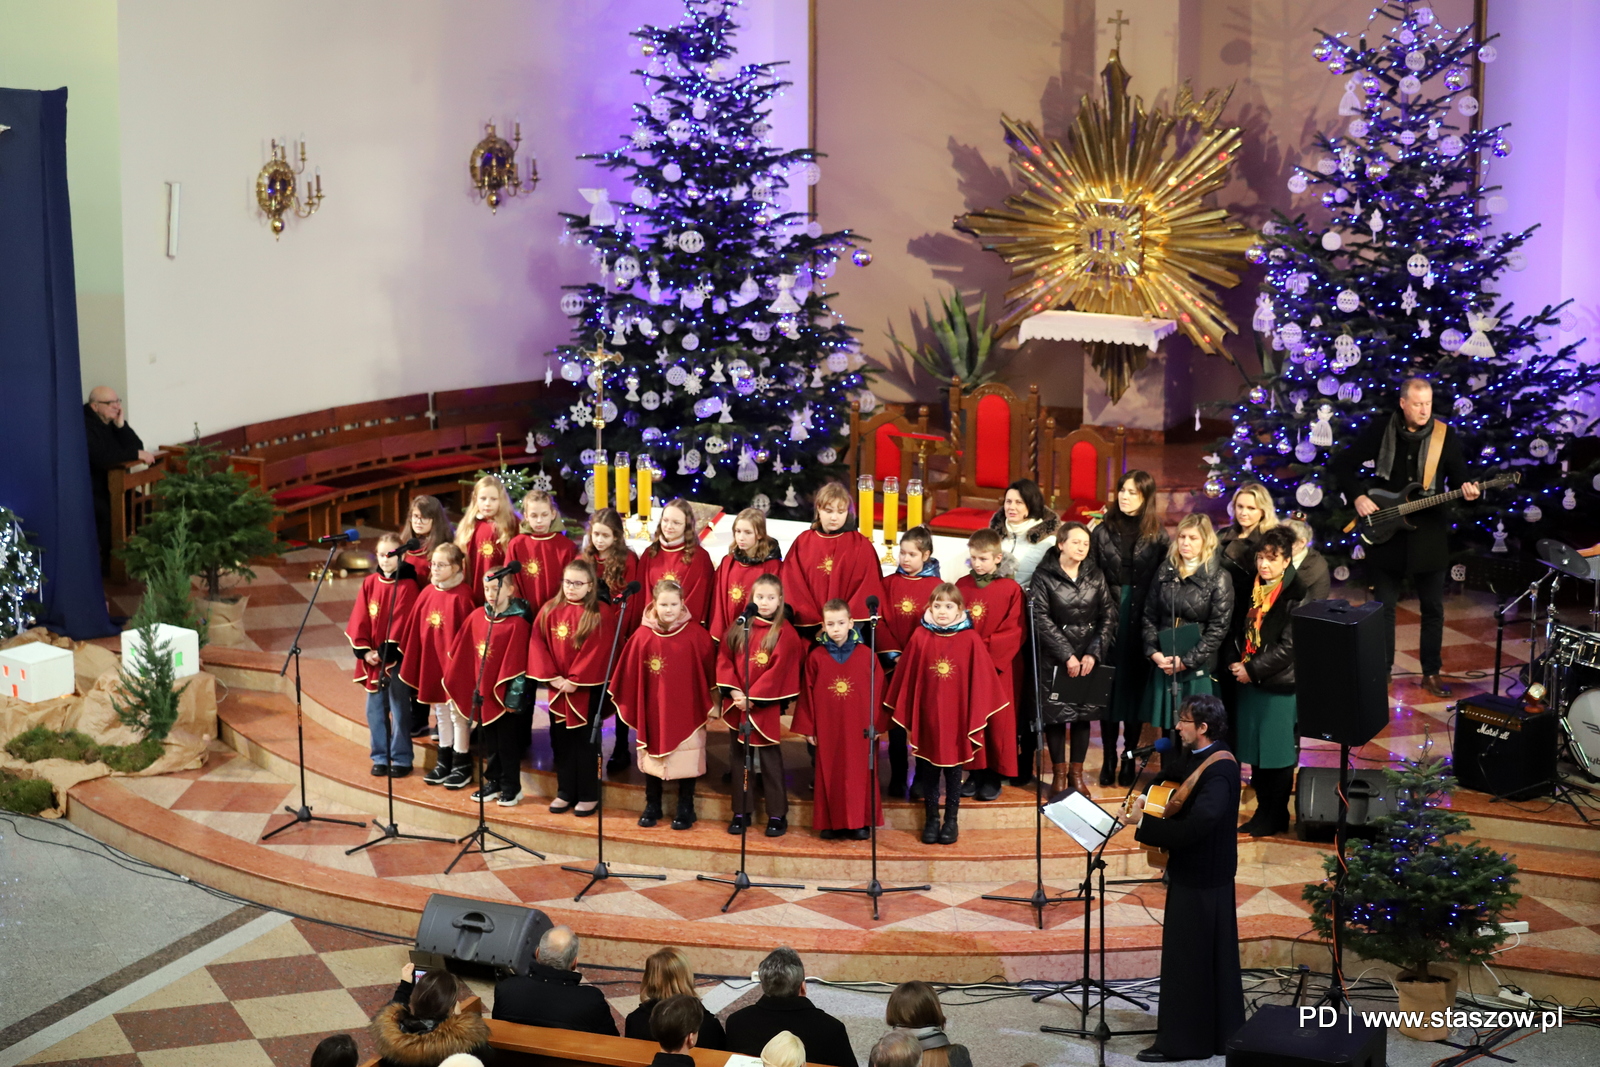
{"x": 421, "y": 1027}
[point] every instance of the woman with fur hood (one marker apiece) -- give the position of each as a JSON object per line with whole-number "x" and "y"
{"x": 422, "y": 1028}
{"x": 1027, "y": 529}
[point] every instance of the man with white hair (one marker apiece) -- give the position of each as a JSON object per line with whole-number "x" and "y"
{"x": 551, "y": 993}
{"x": 112, "y": 443}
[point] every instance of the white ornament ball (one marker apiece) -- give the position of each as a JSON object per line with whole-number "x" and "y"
{"x": 1488, "y": 54}
{"x": 1416, "y": 60}
{"x": 1347, "y": 301}
{"x": 1538, "y": 448}
{"x": 827, "y": 457}
{"x": 1327, "y": 165}
{"x": 1532, "y": 513}
{"x": 1291, "y": 333}
{"x": 761, "y": 502}
{"x": 1305, "y": 451}
{"x": 1411, "y": 85}
{"x": 571, "y": 372}
{"x": 676, "y": 376}
{"x": 1497, "y": 205}
{"x": 811, "y": 174}
{"x": 869, "y": 401}
{"x": 1309, "y": 494}
{"x": 1463, "y": 407}
{"x": 716, "y": 445}
{"x": 572, "y": 304}
{"x": 838, "y": 362}
{"x": 1517, "y": 261}
{"x": 1451, "y": 146}
{"x": 642, "y": 197}
{"x": 1332, "y": 241}
{"x": 1417, "y": 265}
{"x": 691, "y": 341}
{"x": 672, "y": 172}
{"x": 626, "y": 268}
{"x": 1341, "y": 573}
{"x": 1467, "y": 105}
{"x": 1451, "y": 340}
{"x": 650, "y": 401}
{"x": 1297, "y": 183}
{"x": 1358, "y": 128}
{"x": 691, "y": 241}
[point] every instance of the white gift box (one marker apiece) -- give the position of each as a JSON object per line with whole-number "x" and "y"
{"x": 184, "y": 645}
{"x": 36, "y": 672}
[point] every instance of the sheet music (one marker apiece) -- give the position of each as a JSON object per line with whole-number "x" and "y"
{"x": 1089, "y": 824}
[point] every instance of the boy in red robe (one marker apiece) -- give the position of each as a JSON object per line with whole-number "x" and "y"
{"x": 758, "y": 669}
{"x": 567, "y": 655}
{"x": 663, "y": 688}
{"x": 833, "y": 715}
{"x": 995, "y": 606}
{"x": 832, "y": 560}
{"x": 377, "y": 628}
{"x": 541, "y": 548}
{"x": 441, "y": 609}
{"x": 944, "y": 690}
{"x": 676, "y": 555}
{"x": 753, "y": 554}
{"x": 499, "y": 655}
{"x": 906, "y": 593}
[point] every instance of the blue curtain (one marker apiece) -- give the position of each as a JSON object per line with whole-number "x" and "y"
{"x": 44, "y": 456}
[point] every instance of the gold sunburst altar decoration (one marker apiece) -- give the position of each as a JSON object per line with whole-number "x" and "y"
{"x": 1116, "y": 221}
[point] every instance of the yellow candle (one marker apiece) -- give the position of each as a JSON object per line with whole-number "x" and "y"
{"x": 891, "y": 509}
{"x": 864, "y": 504}
{"x": 646, "y": 478}
{"x": 619, "y": 480}
{"x": 597, "y": 489}
{"x": 913, "y": 503}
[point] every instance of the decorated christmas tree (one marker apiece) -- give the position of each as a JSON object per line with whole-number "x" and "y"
{"x": 706, "y": 341}
{"x": 20, "y": 576}
{"x": 1394, "y": 274}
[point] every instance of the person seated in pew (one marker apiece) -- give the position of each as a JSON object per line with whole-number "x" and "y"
{"x": 895, "y": 1049}
{"x": 423, "y": 1026}
{"x": 551, "y": 993}
{"x": 784, "y": 1050}
{"x": 785, "y": 1006}
{"x": 667, "y": 974}
{"x": 675, "y": 1022}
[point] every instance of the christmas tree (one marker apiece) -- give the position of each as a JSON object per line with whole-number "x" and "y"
{"x": 20, "y": 576}
{"x": 1393, "y": 276}
{"x": 734, "y": 375}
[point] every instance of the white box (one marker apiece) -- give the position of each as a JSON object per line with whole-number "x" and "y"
{"x": 36, "y": 671}
{"x": 185, "y": 646}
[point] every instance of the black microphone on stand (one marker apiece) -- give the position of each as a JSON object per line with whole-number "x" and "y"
{"x": 629, "y": 590}
{"x": 504, "y": 572}
{"x": 750, "y": 611}
{"x": 347, "y": 537}
{"x": 872, "y": 606}
{"x": 1160, "y": 744}
{"x": 410, "y": 546}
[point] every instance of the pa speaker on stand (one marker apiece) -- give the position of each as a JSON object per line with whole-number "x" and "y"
{"x": 1341, "y": 671}
{"x": 478, "y": 935}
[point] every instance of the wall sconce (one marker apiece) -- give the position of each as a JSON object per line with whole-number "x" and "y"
{"x": 276, "y": 192}
{"x": 494, "y": 167}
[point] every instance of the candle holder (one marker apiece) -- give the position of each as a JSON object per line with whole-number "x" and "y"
{"x": 644, "y": 478}
{"x": 891, "y": 516}
{"x": 493, "y": 167}
{"x": 913, "y": 503}
{"x": 276, "y": 188}
{"x": 864, "y": 492}
{"x": 621, "y": 472}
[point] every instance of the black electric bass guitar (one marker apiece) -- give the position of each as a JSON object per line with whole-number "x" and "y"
{"x": 1390, "y": 518}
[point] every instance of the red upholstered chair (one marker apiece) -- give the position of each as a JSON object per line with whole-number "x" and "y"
{"x": 997, "y": 433}
{"x": 876, "y": 448}
{"x": 1079, "y": 471}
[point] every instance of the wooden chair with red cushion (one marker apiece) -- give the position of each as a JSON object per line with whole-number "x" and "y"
{"x": 1079, "y": 471}
{"x": 876, "y": 448}
{"x": 997, "y": 432}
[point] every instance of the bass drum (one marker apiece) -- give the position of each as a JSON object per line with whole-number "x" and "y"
{"x": 1582, "y": 723}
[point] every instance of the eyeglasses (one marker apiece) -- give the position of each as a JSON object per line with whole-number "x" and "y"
{"x": 580, "y": 583}
{"x": 1185, "y": 722}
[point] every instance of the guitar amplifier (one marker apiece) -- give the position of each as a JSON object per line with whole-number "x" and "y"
{"x": 1502, "y": 750}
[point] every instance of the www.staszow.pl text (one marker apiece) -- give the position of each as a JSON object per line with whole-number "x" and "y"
{"x": 1327, "y": 1018}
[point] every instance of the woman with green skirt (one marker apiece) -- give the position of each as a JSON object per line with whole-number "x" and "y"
{"x": 1190, "y": 587}
{"x": 1268, "y": 741}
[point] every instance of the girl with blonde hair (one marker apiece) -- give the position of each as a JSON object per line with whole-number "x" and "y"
{"x": 485, "y": 531}
{"x": 758, "y": 670}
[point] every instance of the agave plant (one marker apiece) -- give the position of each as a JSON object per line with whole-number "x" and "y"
{"x": 962, "y": 347}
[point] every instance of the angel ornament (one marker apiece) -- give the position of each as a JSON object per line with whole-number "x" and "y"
{"x": 1322, "y": 429}
{"x": 601, "y": 213}
{"x": 1477, "y": 343}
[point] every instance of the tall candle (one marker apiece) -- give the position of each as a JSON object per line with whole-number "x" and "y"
{"x": 913, "y": 503}
{"x": 864, "y": 504}
{"x": 645, "y": 474}
{"x": 891, "y": 509}
{"x": 620, "y": 472}
{"x": 597, "y": 491}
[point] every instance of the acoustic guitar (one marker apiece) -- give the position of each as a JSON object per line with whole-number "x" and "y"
{"x": 1164, "y": 800}
{"x": 1390, "y": 518}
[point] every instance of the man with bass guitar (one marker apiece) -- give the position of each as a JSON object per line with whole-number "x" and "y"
{"x": 1411, "y": 454}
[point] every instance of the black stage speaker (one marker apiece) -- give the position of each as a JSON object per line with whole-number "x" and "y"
{"x": 1278, "y": 1036}
{"x": 1316, "y": 800}
{"x": 1502, "y": 750}
{"x": 481, "y": 932}
{"x": 1341, "y": 671}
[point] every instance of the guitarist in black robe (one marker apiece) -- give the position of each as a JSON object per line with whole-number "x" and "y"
{"x": 1202, "y": 993}
{"x": 1399, "y": 448}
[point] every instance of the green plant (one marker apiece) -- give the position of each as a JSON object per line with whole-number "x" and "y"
{"x": 1411, "y": 898}
{"x": 166, "y": 584}
{"x": 962, "y": 351}
{"x": 20, "y": 576}
{"x": 229, "y": 521}
{"x": 28, "y": 796}
{"x": 152, "y": 696}
{"x": 40, "y": 743}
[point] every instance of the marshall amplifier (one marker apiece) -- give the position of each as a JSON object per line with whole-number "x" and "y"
{"x": 1502, "y": 750}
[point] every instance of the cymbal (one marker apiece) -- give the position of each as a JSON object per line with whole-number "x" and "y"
{"x": 1560, "y": 556}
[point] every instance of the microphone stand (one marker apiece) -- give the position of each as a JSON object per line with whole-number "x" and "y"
{"x": 874, "y": 888}
{"x": 600, "y": 872}
{"x": 302, "y": 814}
{"x": 741, "y": 881}
{"x": 478, "y": 839}
{"x": 389, "y": 831}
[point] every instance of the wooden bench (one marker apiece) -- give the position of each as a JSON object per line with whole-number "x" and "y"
{"x": 133, "y": 499}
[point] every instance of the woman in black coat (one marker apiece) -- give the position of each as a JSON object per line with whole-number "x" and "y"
{"x": 1190, "y": 587}
{"x": 1129, "y": 545}
{"x": 1253, "y": 515}
{"x": 1075, "y": 618}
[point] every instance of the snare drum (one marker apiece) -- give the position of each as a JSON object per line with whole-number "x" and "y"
{"x": 1583, "y": 727}
{"x": 1574, "y": 647}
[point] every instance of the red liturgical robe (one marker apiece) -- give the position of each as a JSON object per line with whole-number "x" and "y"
{"x": 734, "y": 579}
{"x": 996, "y": 613}
{"x": 542, "y": 559}
{"x": 383, "y": 603}
{"x": 905, "y": 599}
{"x": 820, "y": 567}
{"x": 774, "y": 679}
{"x": 630, "y": 573}
{"x": 694, "y": 574}
{"x": 484, "y": 555}
{"x": 435, "y": 620}
{"x": 834, "y": 706}
{"x": 553, "y": 652}
{"x": 420, "y": 563}
{"x": 662, "y": 685}
{"x": 505, "y": 669}
{"x": 943, "y": 691}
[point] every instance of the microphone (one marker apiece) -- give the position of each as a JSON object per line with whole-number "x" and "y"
{"x": 628, "y": 590}
{"x": 872, "y": 605}
{"x": 504, "y": 572}
{"x": 1162, "y": 744}
{"x": 347, "y": 537}
{"x": 410, "y": 546}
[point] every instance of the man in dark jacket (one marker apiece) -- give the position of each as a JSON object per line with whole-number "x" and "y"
{"x": 1202, "y": 1002}
{"x": 550, "y": 994}
{"x": 1307, "y": 566}
{"x": 784, "y": 1006}
{"x": 112, "y": 443}
{"x": 1400, "y": 449}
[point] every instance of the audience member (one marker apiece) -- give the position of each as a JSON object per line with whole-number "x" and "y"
{"x": 784, "y": 1050}
{"x": 667, "y": 974}
{"x": 461, "y": 1059}
{"x": 675, "y": 1021}
{"x": 914, "y": 1008}
{"x": 897, "y": 1048}
{"x": 550, "y": 994}
{"x": 784, "y": 1006}
{"x": 422, "y": 1027}
{"x": 112, "y": 443}
{"x": 336, "y": 1050}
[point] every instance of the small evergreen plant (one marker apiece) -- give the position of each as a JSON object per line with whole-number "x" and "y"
{"x": 166, "y": 584}
{"x": 150, "y": 691}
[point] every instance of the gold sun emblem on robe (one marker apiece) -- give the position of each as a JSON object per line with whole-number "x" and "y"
{"x": 372, "y": 608}
{"x": 531, "y": 568}
{"x": 486, "y": 549}
{"x": 907, "y": 606}
{"x": 670, "y": 576}
{"x": 840, "y": 687}
{"x": 762, "y": 658}
{"x": 826, "y": 566}
{"x": 656, "y": 663}
{"x": 435, "y": 619}
{"x": 977, "y": 610}
{"x": 736, "y": 594}
{"x": 943, "y": 668}
{"x": 483, "y": 646}
{"x": 562, "y": 630}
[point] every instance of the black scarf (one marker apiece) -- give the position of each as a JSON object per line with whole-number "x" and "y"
{"x": 1385, "y": 465}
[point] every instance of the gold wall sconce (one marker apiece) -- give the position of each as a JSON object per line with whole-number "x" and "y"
{"x": 493, "y": 167}
{"x": 276, "y": 188}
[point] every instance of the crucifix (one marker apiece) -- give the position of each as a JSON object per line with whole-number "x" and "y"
{"x": 597, "y": 358}
{"x": 1118, "y": 22}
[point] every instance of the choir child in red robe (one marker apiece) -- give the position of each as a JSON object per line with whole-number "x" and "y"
{"x": 440, "y": 612}
{"x": 377, "y": 627}
{"x": 758, "y": 669}
{"x": 489, "y": 659}
{"x": 664, "y": 688}
{"x": 567, "y": 656}
{"x": 676, "y": 555}
{"x": 486, "y": 531}
{"x": 995, "y": 606}
{"x": 753, "y": 554}
{"x": 943, "y": 691}
{"x": 838, "y": 692}
{"x": 905, "y": 598}
{"x": 541, "y": 548}
{"x": 426, "y": 523}
{"x": 606, "y": 546}
{"x": 831, "y": 560}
